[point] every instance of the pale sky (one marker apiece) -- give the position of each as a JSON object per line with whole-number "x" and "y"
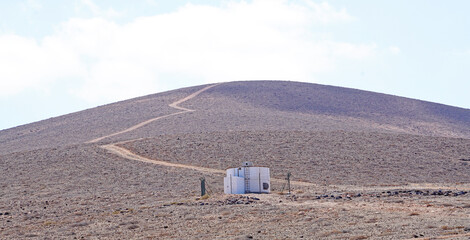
{"x": 58, "y": 57}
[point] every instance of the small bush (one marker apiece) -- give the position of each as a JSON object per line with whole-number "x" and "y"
{"x": 446, "y": 228}
{"x": 204, "y": 197}
{"x": 359, "y": 237}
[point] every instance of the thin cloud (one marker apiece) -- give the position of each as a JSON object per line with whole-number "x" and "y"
{"x": 27, "y": 64}
{"x": 325, "y": 13}
{"x": 96, "y": 10}
{"x": 31, "y": 5}
{"x": 394, "y": 50}
{"x": 257, "y": 40}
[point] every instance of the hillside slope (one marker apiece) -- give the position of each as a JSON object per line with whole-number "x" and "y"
{"x": 246, "y": 106}
{"x": 364, "y": 165}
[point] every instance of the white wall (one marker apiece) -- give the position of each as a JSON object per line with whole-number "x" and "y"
{"x": 258, "y": 176}
{"x": 234, "y": 182}
{"x": 234, "y": 185}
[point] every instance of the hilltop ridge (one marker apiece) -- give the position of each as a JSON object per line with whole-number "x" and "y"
{"x": 246, "y": 106}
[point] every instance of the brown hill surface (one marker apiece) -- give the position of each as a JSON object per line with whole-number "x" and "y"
{"x": 326, "y": 158}
{"x": 364, "y": 165}
{"x": 246, "y": 106}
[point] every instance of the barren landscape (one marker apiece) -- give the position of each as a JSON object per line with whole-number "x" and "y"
{"x": 364, "y": 166}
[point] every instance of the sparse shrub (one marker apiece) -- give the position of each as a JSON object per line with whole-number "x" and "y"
{"x": 446, "y": 228}
{"x": 48, "y": 223}
{"x": 333, "y": 232}
{"x": 132, "y": 227}
{"x": 204, "y": 197}
{"x": 414, "y": 214}
{"x": 359, "y": 237}
{"x": 225, "y": 213}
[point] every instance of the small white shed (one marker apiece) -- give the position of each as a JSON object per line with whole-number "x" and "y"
{"x": 247, "y": 179}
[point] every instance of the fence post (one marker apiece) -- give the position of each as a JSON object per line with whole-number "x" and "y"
{"x": 203, "y": 186}
{"x": 288, "y": 182}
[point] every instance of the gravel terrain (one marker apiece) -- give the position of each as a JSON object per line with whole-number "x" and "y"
{"x": 84, "y": 192}
{"x": 290, "y": 106}
{"x": 86, "y": 125}
{"x": 321, "y": 157}
{"x": 372, "y": 166}
{"x": 245, "y": 106}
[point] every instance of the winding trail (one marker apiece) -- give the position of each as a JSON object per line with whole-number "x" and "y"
{"x": 120, "y": 151}
{"x": 127, "y": 154}
{"x": 173, "y": 105}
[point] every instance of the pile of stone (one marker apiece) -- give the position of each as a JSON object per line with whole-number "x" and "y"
{"x": 400, "y": 193}
{"x": 232, "y": 200}
{"x": 238, "y": 200}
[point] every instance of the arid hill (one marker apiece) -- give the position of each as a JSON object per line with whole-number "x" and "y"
{"x": 364, "y": 165}
{"x": 246, "y": 106}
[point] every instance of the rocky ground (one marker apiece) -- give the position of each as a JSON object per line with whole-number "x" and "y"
{"x": 80, "y": 192}
{"x": 364, "y": 166}
{"x": 245, "y": 106}
{"x": 323, "y": 158}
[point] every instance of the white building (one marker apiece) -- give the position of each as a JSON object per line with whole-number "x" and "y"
{"x": 247, "y": 179}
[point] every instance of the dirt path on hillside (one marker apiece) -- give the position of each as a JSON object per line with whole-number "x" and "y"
{"x": 125, "y": 153}
{"x": 173, "y": 105}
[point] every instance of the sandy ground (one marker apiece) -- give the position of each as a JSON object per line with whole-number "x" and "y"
{"x": 347, "y": 184}
{"x": 89, "y": 193}
{"x": 323, "y": 158}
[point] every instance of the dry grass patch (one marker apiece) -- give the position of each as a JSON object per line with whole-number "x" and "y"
{"x": 330, "y": 233}
{"x": 204, "y": 197}
{"x": 359, "y": 237}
